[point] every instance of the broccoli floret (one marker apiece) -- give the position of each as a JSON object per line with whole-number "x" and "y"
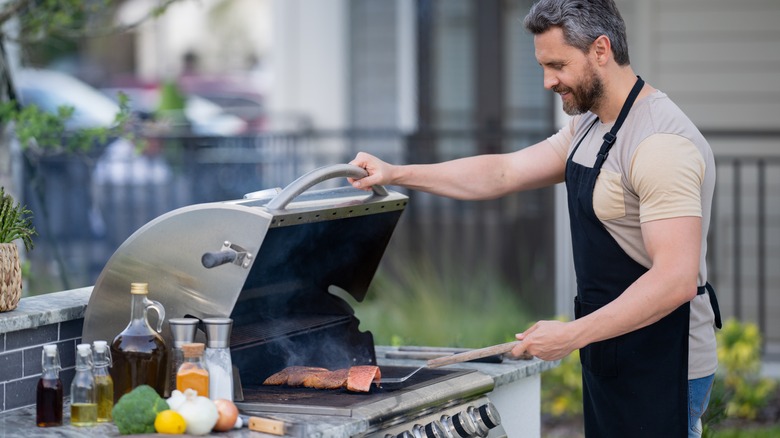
{"x": 136, "y": 411}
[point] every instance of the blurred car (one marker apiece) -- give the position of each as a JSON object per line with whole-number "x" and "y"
{"x": 235, "y": 96}
{"x": 119, "y": 162}
{"x": 204, "y": 117}
{"x": 49, "y": 90}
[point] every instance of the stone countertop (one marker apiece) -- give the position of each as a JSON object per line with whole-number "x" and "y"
{"x": 37, "y": 311}
{"x": 21, "y": 422}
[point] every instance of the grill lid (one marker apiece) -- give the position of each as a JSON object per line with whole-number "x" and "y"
{"x": 267, "y": 261}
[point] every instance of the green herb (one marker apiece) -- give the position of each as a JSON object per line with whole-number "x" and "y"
{"x": 15, "y": 221}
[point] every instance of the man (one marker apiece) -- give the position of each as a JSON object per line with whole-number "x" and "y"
{"x": 640, "y": 179}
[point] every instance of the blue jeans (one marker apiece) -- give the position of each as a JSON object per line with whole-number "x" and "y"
{"x": 698, "y": 398}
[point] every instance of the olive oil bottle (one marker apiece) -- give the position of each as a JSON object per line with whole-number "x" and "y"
{"x": 104, "y": 384}
{"x": 139, "y": 353}
{"x": 83, "y": 401}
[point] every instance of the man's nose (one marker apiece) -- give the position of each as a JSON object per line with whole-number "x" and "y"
{"x": 550, "y": 80}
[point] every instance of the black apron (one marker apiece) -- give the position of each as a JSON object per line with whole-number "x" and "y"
{"x": 634, "y": 385}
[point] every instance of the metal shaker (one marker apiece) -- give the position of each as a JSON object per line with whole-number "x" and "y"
{"x": 217, "y": 357}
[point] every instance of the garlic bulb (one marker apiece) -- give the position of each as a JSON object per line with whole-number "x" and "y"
{"x": 199, "y": 412}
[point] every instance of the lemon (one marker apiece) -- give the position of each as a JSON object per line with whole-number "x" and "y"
{"x": 169, "y": 422}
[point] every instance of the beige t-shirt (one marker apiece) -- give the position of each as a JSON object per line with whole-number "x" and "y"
{"x": 660, "y": 167}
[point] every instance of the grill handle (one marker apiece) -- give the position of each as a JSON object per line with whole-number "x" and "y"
{"x": 213, "y": 259}
{"x": 316, "y": 176}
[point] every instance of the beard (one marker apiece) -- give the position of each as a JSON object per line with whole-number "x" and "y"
{"x": 584, "y": 96}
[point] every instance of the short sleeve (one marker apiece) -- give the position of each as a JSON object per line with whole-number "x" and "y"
{"x": 561, "y": 140}
{"x": 667, "y": 172}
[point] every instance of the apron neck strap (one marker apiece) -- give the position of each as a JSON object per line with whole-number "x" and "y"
{"x": 611, "y": 136}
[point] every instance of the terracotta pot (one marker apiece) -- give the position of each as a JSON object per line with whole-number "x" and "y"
{"x": 10, "y": 277}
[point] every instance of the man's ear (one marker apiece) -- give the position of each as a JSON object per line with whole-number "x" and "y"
{"x": 602, "y": 49}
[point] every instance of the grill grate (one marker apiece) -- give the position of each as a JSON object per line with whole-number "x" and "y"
{"x": 249, "y": 335}
{"x": 339, "y": 401}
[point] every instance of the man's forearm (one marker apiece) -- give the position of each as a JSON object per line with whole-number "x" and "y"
{"x": 649, "y": 299}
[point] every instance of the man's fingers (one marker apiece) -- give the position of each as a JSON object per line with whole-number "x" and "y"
{"x": 521, "y": 336}
{"x": 518, "y": 350}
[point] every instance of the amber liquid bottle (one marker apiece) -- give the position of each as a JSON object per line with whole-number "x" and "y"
{"x": 104, "y": 384}
{"x": 139, "y": 354}
{"x": 48, "y": 406}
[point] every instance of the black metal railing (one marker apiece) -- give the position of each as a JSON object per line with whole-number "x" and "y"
{"x": 745, "y": 240}
{"x": 87, "y": 205}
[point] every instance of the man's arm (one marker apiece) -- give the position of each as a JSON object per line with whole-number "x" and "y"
{"x": 674, "y": 246}
{"x": 477, "y": 177}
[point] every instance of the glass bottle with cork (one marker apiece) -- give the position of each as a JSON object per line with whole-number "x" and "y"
{"x": 104, "y": 384}
{"x": 48, "y": 400}
{"x": 83, "y": 401}
{"x": 139, "y": 352}
{"x": 192, "y": 373}
{"x": 183, "y": 331}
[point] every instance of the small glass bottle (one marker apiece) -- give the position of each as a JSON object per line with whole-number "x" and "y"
{"x": 183, "y": 331}
{"x": 139, "y": 352}
{"x": 192, "y": 373}
{"x": 48, "y": 401}
{"x": 104, "y": 384}
{"x": 83, "y": 401}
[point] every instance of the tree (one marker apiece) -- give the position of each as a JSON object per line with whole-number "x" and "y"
{"x": 30, "y": 24}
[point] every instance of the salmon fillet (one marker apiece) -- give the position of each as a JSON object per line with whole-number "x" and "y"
{"x": 360, "y": 378}
{"x": 295, "y": 377}
{"x": 283, "y": 377}
{"x": 356, "y": 379}
{"x": 327, "y": 379}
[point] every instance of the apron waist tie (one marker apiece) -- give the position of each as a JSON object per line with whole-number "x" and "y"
{"x": 713, "y": 302}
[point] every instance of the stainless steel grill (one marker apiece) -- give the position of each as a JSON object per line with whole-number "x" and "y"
{"x": 269, "y": 262}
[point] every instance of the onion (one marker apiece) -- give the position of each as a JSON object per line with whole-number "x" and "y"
{"x": 199, "y": 412}
{"x": 228, "y": 414}
{"x": 176, "y": 399}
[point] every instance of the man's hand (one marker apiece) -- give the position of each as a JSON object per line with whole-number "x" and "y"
{"x": 547, "y": 340}
{"x": 379, "y": 172}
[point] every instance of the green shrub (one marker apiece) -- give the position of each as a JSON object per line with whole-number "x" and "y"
{"x": 739, "y": 355}
{"x": 562, "y": 388}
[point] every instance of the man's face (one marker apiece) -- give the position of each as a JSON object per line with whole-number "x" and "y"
{"x": 568, "y": 72}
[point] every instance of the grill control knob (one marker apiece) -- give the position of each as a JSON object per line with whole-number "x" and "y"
{"x": 434, "y": 430}
{"x": 485, "y": 417}
{"x": 459, "y": 425}
{"x": 490, "y": 415}
{"x": 404, "y": 434}
{"x": 418, "y": 431}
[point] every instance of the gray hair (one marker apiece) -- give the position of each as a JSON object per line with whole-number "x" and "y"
{"x": 582, "y": 21}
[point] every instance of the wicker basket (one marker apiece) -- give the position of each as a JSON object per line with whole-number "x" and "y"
{"x": 10, "y": 277}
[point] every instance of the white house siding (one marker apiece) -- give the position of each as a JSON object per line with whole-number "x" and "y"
{"x": 719, "y": 60}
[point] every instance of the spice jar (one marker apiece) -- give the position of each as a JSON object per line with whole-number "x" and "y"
{"x": 183, "y": 331}
{"x": 192, "y": 373}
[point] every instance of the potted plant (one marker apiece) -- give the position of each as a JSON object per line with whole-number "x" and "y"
{"x": 15, "y": 224}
